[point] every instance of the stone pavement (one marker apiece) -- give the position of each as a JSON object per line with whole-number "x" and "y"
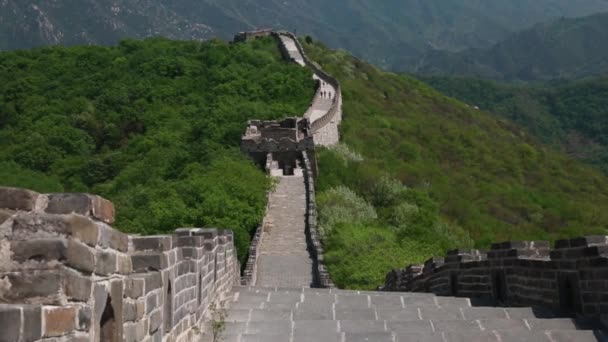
{"x": 322, "y": 315}
{"x": 284, "y": 259}
{"x": 292, "y": 49}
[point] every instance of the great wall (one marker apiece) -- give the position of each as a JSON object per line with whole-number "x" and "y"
{"x": 67, "y": 275}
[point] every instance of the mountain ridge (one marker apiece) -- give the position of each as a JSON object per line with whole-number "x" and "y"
{"x": 567, "y": 48}
{"x": 392, "y": 34}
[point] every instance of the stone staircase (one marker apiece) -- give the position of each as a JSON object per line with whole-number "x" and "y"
{"x": 284, "y": 258}
{"x": 324, "y": 315}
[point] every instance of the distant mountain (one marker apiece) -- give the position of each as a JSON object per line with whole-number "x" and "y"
{"x": 390, "y": 33}
{"x": 562, "y": 49}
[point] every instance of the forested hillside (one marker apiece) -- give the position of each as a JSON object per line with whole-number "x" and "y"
{"x": 152, "y": 125}
{"x": 562, "y": 49}
{"x": 391, "y": 33}
{"x": 422, "y": 173}
{"x": 572, "y": 116}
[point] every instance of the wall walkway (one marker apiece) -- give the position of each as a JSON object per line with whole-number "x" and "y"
{"x": 284, "y": 259}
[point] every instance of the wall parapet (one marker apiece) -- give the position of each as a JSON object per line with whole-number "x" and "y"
{"x": 67, "y": 275}
{"x": 315, "y": 245}
{"x": 572, "y": 277}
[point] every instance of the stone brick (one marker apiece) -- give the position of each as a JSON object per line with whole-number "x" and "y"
{"x": 190, "y": 241}
{"x": 117, "y": 295}
{"x": 152, "y": 243}
{"x": 134, "y": 287}
{"x": 145, "y": 262}
{"x": 129, "y": 311}
{"x": 18, "y": 199}
{"x": 67, "y": 203}
{"x": 100, "y": 296}
{"x": 10, "y": 316}
{"x": 124, "y": 265}
{"x": 587, "y": 241}
{"x": 207, "y": 233}
{"x": 39, "y": 250}
{"x": 45, "y": 286}
{"x": 83, "y": 204}
{"x": 153, "y": 281}
{"x": 112, "y": 238}
{"x": 77, "y": 287}
{"x": 106, "y": 262}
{"x": 84, "y": 229}
{"x": 84, "y": 318}
{"x": 59, "y": 321}
{"x": 5, "y": 214}
{"x": 155, "y": 321}
{"x": 32, "y": 323}
{"x": 152, "y": 303}
{"x": 80, "y": 256}
{"x": 103, "y": 209}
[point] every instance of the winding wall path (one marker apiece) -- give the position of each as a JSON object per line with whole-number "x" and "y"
{"x": 283, "y": 255}
{"x": 325, "y": 112}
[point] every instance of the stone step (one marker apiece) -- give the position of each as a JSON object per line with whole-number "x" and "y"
{"x": 484, "y": 336}
{"x": 360, "y": 309}
{"x": 260, "y": 321}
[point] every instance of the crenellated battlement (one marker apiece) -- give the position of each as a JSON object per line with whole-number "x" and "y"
{"x": 571, "y": 277}
{"x": 65, "y": 273}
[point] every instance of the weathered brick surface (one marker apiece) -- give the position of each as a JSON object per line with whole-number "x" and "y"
{"x": 573, "y": 277}
{"x": 67, "y": 272}
{"x": 59, "y": 321}
{"x": 18, "y": 199}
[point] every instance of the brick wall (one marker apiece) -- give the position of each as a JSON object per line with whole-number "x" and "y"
{"x": 66, "y": 275}
{"x": 571, "y": 277}
{"x": 313, "y": 238}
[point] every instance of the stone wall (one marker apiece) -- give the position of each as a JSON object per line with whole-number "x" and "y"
{"x": 326, "y": 128}
{"x": 66, "y": 275}
{"x": 572, "y": 277}
{"x": 313, "y": 238}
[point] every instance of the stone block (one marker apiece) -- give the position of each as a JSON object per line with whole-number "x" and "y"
{"x": 207, "y": 233}
{"x": 77, "y": 287}
{"x": 5, "y": 214}
{"x": 112, "y": 238}
{"x": 153, "y": 281}
{"x": 59, "y": 321}
{"x": 83, "y": 204}
{"x": 10, "y": 322}
{"x": 80, "y": 256}
{"x": 521, "y": 245}
{"x": 123, "y": 264}
{"x": 84, "y": 318}
{"x": 155, "y": 321}
{"x": 129, "y": 311}
{"x": 39, "y": 250}
{"x": 134, "y": 287}
{"x": 43, "y": 286}
{"x": 152, "y": 303}
{"x": 32, "y": 322}
{"x": 588, "y": 241}
{"x": 106, "y": 262}
{"x": 186, "y": 231}
{"x": 83, "y": 228}
{"x": 18, "y": 199}
{"x": 146, "y": 262}
{"x": 117, "y": 295}
{"x": 100, "y": 296}
{"x": 152, "y": 243}
{"x": 190, "y": 241}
